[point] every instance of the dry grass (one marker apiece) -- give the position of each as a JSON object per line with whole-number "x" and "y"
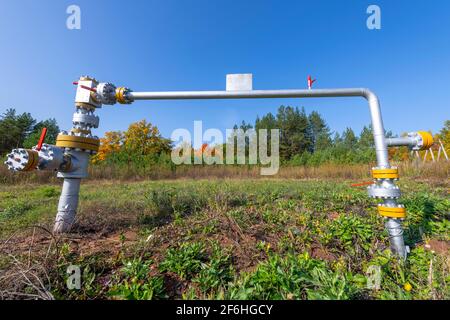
{"x": 432, "y": 171}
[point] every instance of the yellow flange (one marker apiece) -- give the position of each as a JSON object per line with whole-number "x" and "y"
{"x": 33, "y": 160}
{"x": 120, "y": 95}
{"x": 66, "y": 141}
{"x": 385, "y": 173}
{"x": 399, "y": 212}
{"x": 427, "y": 139}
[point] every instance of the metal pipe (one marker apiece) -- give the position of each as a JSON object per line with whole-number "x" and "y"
{"x": 393, "y": 226}
{"x": 395, "y": 230}
{"x": 420, "y": 140}
{"x": 67, "y": 206}
{"x": 251, "y": 94}
{"x": 374, "y": 106}
{"x": 400, "y": 142}
{"x": 80, "y": 144}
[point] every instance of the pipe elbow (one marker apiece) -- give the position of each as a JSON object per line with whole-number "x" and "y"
{"x": 369, "y": 95}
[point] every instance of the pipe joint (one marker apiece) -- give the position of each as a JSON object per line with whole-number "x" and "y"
{"x": 384, "y": 192}
{"x": 415, "y": 141}
{"x": 79, "y": 161}
{"x": 425, "y": 140}
{"x": 22, "y": 160}
{"x": 123, "y": 95}
{"x": 49, "y": 157}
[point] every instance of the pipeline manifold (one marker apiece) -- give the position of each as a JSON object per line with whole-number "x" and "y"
{"x": 388, "y": 193}
{"x": 70, "y": 154}
{"x": 72, "y": 150}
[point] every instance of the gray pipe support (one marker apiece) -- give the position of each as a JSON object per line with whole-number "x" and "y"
{"x": 67, "y": 207}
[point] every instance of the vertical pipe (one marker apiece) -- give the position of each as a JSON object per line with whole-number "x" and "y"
{"x": 395, "y": 230}
{"x": 67, "y": 207}
{"x": 378, "y": 129}
{"x": 393, "y": 226}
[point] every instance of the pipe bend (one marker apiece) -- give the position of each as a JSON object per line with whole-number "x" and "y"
{"x": 369, "y": 95}
{"x": 377, "y": 127}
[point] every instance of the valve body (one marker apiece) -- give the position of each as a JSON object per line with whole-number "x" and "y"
{"x": 385, "y": 190}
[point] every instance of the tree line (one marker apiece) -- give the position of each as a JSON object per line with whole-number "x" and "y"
{"x": 305, "y": 139}
{"x": 22, "y": 130}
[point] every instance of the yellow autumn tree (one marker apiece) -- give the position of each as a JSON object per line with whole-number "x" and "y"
{"x": 143, "y": 138}
{"x": 110, "y": 143}
{"x": 444, "y": 136}
{"x": 400, "y": 153}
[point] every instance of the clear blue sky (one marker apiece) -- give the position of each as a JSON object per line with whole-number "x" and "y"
{"x": 191, "y": 45}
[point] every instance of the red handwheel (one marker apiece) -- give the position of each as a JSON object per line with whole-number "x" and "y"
{"x": 41, "y": 139}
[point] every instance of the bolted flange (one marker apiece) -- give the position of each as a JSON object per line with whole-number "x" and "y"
{"x": 383, "y": 173}
{"x": 22, "y": 160}
{"x": 122, "y": 95}
{"x": 106, "y": 93}
{"x": 384, "y": 192}
{"x": 81, "y": 117}
{"x": 424, "y": 140}
{"x": 50, "y": 157}
{"x": 396, "y": 212}
{"x": 76, "y": 142}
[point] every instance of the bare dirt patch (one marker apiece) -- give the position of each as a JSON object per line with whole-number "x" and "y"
{"x": 438, "y": 246}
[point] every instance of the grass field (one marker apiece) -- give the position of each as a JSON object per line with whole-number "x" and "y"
{"x": 223, "y": 239}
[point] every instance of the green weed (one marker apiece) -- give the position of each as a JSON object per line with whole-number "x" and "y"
{"x": 352, "y": 232}
{"x": 293, "y": 277}
{"x": 186, "y": 261}
{"x": 16, "y": 209}
{"x": 137, "y": 283}
{"x": 216, "y": 272}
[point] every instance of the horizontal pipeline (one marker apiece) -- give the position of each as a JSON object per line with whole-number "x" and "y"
{"x": 375, "y": 112}
{"x": 399, "y": 142}
{"x": 253, "y": 94}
